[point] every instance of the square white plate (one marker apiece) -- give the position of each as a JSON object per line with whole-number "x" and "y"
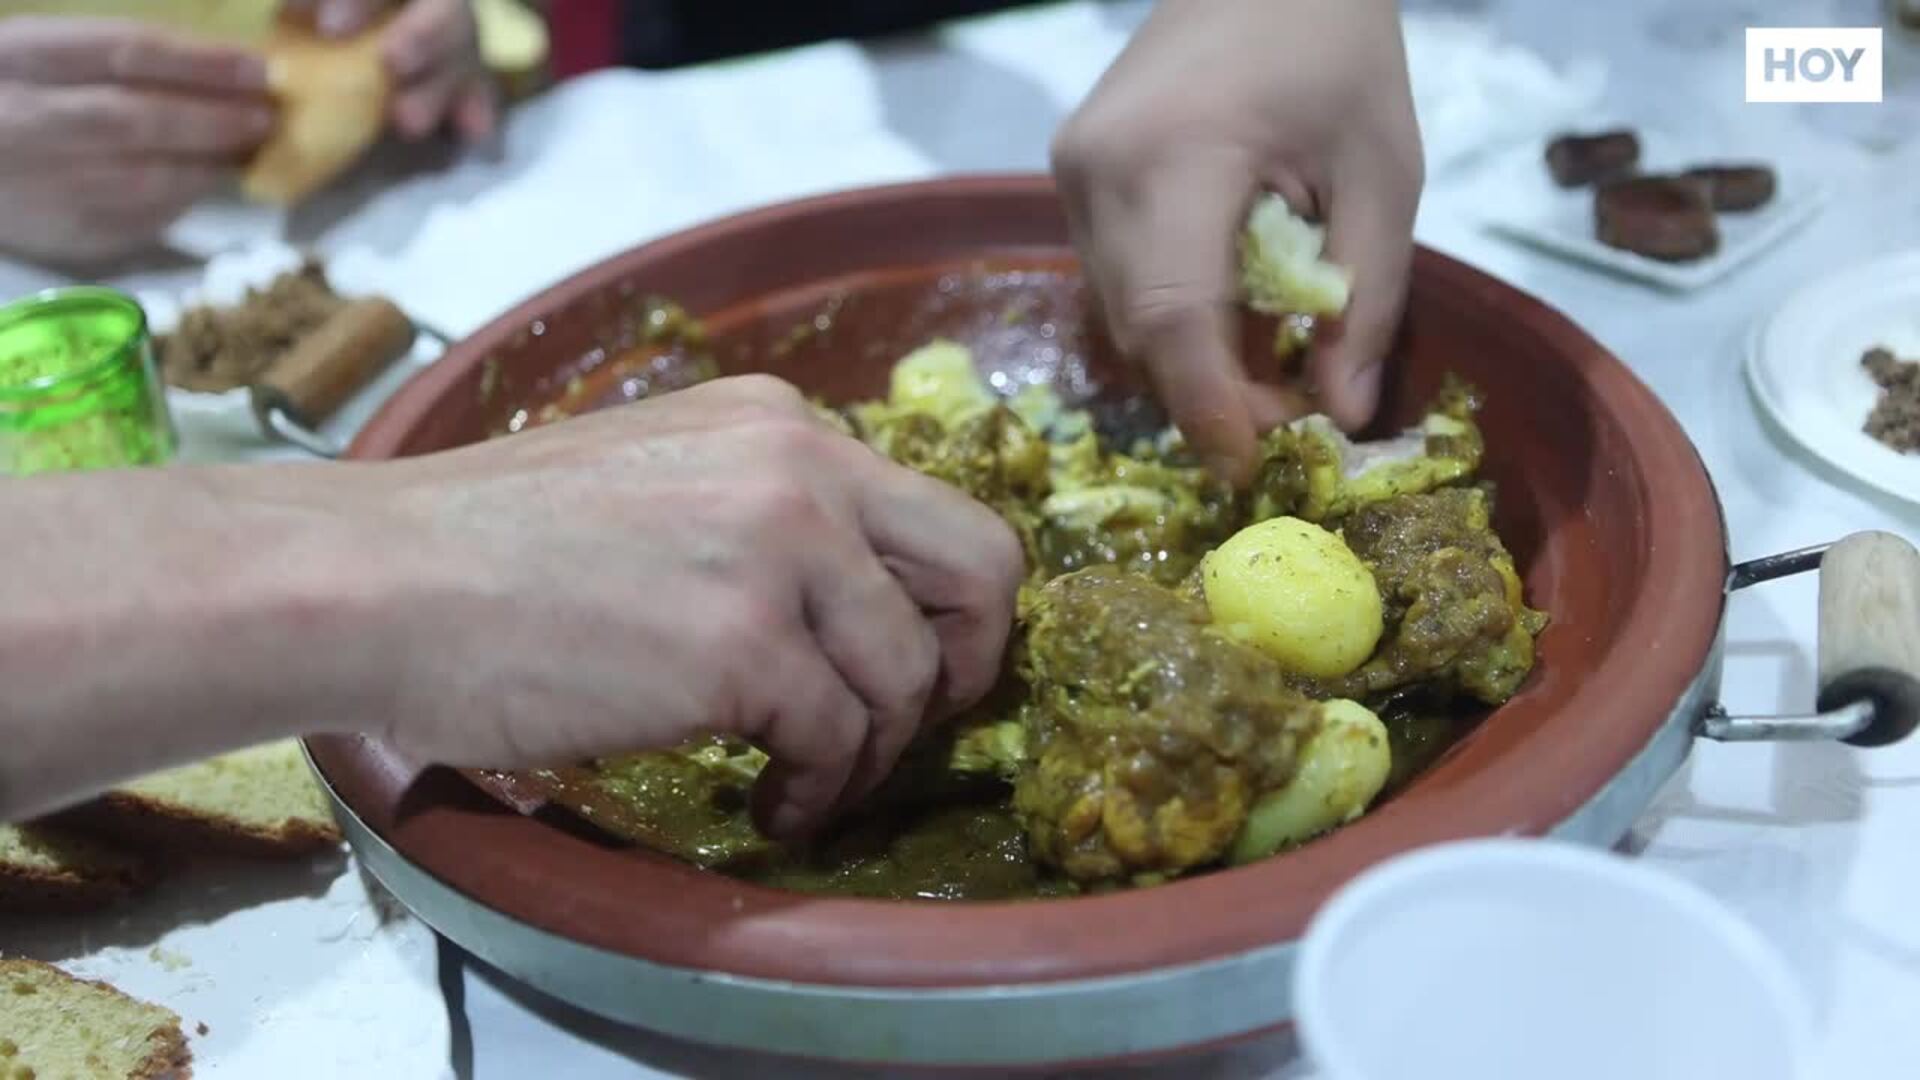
{"x": 1531, "y": 209}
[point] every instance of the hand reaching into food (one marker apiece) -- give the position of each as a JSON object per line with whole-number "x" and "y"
{"x": 716, "y": 561}
{"x": 1213, "y": 103}
{"x": 113, "y": 129}
{"x": 432, "y": 53}
{"x": 1197, "y": 680}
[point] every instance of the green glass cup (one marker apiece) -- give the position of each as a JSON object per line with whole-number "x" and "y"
{"x": 78, "y": 385}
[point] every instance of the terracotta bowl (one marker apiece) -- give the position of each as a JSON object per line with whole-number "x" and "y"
{"x": 1601, "y": 496}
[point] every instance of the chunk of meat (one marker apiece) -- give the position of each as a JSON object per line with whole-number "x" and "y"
{"x": 1150, "y": 735}
{"x": 1311, "y": 470}
{"x": 1452, "y": 597}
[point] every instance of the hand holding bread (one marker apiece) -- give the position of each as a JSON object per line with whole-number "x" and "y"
{"x": 117, "y": 125}
{"x": 113, "y": 128}
{"x": 346, "y": 71}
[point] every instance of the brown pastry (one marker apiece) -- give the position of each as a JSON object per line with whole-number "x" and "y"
{"x": 1736, "y": 187}
{"x": 1578, "y": 160}
{"x": 333, "y": 99}
{"x": 1669, "y": 218}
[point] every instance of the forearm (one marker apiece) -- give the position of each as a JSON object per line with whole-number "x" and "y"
{"x": 150, "y": 618}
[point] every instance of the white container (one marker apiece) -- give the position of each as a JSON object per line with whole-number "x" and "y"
{"x": 1530, "y": 959}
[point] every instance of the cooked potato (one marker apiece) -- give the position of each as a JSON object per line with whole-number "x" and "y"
{"x": 1342, "y": 768}
{"x": 1296, "y": 592}
{"x": 939, "y": 379}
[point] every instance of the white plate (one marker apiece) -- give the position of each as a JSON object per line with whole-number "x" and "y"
{"x": 1533, "y": 210}
{"x": 1803, "y": 364}
{"x": 301, "y": 969}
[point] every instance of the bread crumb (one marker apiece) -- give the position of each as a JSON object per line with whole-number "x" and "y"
{"x": 171, "y": 961}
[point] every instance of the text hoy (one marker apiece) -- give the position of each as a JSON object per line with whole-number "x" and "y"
{"x": 1814, "y": 64}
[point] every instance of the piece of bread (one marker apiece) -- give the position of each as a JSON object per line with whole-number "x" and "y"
{"x": 333, "y": 97}
{"x": 261, "y": 802}
{"x": 54, "y": 1027}
{"x": 47, "y": 869}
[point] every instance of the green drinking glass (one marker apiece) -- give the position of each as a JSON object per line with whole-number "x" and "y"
{"x": 78, "y": 385}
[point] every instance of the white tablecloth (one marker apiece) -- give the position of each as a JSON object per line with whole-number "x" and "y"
{"x": 1811, "y": 842}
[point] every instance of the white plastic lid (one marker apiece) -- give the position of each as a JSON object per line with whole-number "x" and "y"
{"x": 1529, "y": 959}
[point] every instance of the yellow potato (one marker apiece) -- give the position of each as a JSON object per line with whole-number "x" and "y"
{"x": 1296, "y": 592}
{"x": 939, "y": 379}
{"x": 1342, "y": 768}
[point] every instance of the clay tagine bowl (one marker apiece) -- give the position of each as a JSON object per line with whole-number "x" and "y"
{"x": 1602, "y": 497}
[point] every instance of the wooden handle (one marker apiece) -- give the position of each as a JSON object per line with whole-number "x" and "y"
{"x": 1870, "y": 633}
{"x": 336, "y": 360}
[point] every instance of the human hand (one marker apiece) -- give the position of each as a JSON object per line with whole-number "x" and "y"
{"x": 112, "y": 129}
{"x": 716, "y": 560}
{"x": 1213, "y": 101}
{"x": 432, "y": 49}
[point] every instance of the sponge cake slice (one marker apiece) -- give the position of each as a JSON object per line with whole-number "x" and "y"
{"x": 54, "y": 1025}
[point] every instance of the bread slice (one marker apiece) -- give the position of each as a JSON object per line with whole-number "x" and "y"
{"x": 47, "y": 869}
{"x": 261, "y": 802}
{"x": 333, "y": 96}
{"x": 54, "y": 1025}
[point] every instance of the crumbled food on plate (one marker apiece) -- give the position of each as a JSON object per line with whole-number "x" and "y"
{"x": 1895, "y": 420}
{"x": 216, "y": 349}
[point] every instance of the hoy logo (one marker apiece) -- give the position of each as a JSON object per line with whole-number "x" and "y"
{"x": 1814, "y": 64}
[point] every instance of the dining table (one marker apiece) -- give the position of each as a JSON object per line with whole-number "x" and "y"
{"x": 310, "y": 973}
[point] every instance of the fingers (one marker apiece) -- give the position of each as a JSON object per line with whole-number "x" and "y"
{"x": 102, "y": 210}
{"x": 477, "y": 115}
{"x": 1276, "y": 405}
{"x": 340, "y": 18}
{"x": 149, "y": 193}
{"x": 1163, "y": 259}
{"x": 814, "y": 729}
{"x": 881, "y": 645}
{"x": 423, "y": 34}
{"x": 1369, "y": 231}
{"x": 419, "y": 109}
{"x": 71, "y": 51}
{"x": 958, "y": 561}
{"x": 432, "y": 50}
{"x": 121, "y": 121}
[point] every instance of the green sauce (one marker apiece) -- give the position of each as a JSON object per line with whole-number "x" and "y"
{"x": 78, "y": 387}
